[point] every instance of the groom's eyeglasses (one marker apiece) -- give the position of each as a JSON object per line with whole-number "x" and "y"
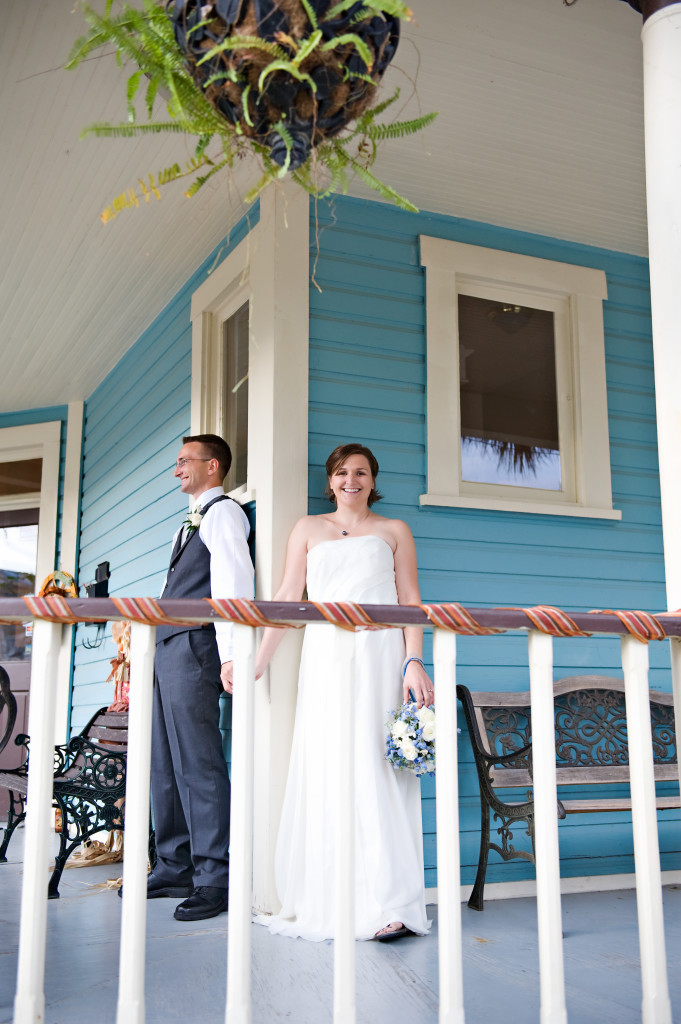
{"x": 182, "y": 462}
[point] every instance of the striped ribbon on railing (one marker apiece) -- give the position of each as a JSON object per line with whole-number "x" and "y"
{"x": 146, "y": 610}
{"x": 243, "y": 612}
{"x": 642, "y": 625}
{"x": 457, "y": 619}
{"x": 553, "y": 621}
{"x": 348, "y": 615}
{"x": 54, "y": 608}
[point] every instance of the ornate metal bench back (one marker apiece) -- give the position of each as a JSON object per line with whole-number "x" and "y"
{"x": 8, "y": 701}
{"x": 591, "y": 729}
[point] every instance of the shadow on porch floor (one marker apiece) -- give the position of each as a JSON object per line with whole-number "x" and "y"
{"x": 292, "y": 979}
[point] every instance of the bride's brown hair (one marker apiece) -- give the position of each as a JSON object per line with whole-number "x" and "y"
{"x": 339, "y": 456}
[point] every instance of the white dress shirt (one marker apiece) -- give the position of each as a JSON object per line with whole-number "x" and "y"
{"x": 224, "y": 530}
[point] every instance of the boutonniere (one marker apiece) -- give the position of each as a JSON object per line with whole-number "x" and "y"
{"x": 193, "y": 521}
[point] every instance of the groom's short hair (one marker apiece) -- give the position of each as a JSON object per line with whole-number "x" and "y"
{"x": 215, "y": 447}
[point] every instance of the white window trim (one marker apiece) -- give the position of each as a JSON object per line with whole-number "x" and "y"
{"x": 37, "y": 441}
{"x": 43, "y": 441}
{"x": 453, "y": 267}
{"x": 222, "y": 294}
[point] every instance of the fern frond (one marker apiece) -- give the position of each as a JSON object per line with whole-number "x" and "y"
{"x": 394, "y": 7}
{"x": 370, "y": 115}
{"x": 201, "y": 181}
{"x": 245, "y": 43}
{"x": 379, "y": 186}
{"x": 131, "y": 91}
{"x": 150, "y": 96}
{"x": 307, "y": 46}
{"x": 122, "y": 202}
{"x": 285, "y": 134}
{"x": 351, "y": 38}
{"x": 398, "y": 129}
{"x": 310, "y": 13}
{"x": 254, "y": 192}
{"x": 290, "y": 68}
{"x": 244, "y": 103}
{"x": 127, "y": 131}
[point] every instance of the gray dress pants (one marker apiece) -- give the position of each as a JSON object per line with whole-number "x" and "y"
{"x": 189, "y": 779}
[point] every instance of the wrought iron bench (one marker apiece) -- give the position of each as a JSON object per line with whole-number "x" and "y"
{"x": 88, "y": 786}
{"x": 591, "y": 750}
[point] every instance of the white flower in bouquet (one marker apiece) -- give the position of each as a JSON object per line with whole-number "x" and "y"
{"x": 429, "y": 731}
{"x": 425, "y": 714}
{"x": 409, "y": 750}
{"x": 410, "y": 742}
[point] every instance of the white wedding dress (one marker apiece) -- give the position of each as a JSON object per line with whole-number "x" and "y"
{"x": 388, "y": 834}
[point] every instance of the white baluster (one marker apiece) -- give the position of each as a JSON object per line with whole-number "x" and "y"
{"x": 656, "y": 1007}
{"x": 130, "y": 1008}
{"x": 450, "y": 951}
{"x": 675, "y": 654}
{"x": 239, "y": 926}
{"x": 29, "y": 1002}
{"x": 343, "y": 682}
{"x": 552, "y": 977}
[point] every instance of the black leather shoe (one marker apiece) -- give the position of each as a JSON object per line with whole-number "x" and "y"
{"x": 159, "y": 887}
{"x": 399, "y": 933}
{"x": 205, "y": 901}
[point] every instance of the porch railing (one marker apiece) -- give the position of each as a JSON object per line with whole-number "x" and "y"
{"x": 447, "y": 620}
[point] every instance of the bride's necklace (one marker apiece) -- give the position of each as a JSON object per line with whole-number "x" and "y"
{"x": 345, "y": 533}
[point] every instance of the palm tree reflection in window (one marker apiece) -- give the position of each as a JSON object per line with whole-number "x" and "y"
{"x": 509, "y": 408}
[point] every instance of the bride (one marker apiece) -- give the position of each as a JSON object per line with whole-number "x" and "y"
{"x": 351, "y": 554}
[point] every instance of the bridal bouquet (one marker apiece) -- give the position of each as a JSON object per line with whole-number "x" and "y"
{"x": 410, "y": 745}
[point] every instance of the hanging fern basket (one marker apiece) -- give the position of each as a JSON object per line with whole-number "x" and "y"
{"x": 280, "y": 78}
{"x": 287, "y": 73}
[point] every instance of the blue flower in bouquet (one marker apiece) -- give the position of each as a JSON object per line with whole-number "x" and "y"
{"x": 410, "y": 744}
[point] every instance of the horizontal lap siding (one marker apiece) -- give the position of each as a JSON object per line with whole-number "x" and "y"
{"x": 131, "y": 503}
{"x": 367, "y": 384}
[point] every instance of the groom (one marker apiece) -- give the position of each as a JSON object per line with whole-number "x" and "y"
{"x": 189, "y": 781}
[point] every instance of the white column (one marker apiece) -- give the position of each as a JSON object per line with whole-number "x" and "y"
{"x": 29, "y": 1002}
{"x": 450, "y": 953}
{"x": 277, "y": 473}
{"x": 130, "y": 1009}
{"x": 656, "y": 1008}
{"x": 239, "y": 926}
{"x": 662, "y": 95}
{"x": 552, "y": 977}
{"x": 342, "y": 679}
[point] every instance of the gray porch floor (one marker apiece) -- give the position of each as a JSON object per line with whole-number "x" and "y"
{"x": 292, "y": 979}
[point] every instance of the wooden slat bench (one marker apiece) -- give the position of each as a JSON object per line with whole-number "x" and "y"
{"x": 591, "y": 750}
{"x": 88, "y": 786}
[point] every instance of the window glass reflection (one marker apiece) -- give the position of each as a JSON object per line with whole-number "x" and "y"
{"x": 509, "y": 404}
{"x": 18, "y": 550}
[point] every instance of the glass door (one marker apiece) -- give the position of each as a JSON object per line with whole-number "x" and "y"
{"x": 18, "y": 556}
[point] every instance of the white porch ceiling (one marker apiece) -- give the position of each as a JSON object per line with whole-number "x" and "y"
{"x": 540, "y": 129}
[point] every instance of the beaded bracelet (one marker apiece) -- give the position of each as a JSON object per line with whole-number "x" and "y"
{"x": 406, "y": 663}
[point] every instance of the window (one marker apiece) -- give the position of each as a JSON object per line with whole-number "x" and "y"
{"x": 235, "y": 334}
{"x": 221, "y": 319}
{"x": 517, "y": 416}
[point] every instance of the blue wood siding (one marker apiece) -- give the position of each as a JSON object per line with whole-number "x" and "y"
{"x": 367, "y": 384}
{"x": 134, "y": 423}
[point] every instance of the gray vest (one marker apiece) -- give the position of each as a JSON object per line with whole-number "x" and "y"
{"x": 188, "y": 575}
